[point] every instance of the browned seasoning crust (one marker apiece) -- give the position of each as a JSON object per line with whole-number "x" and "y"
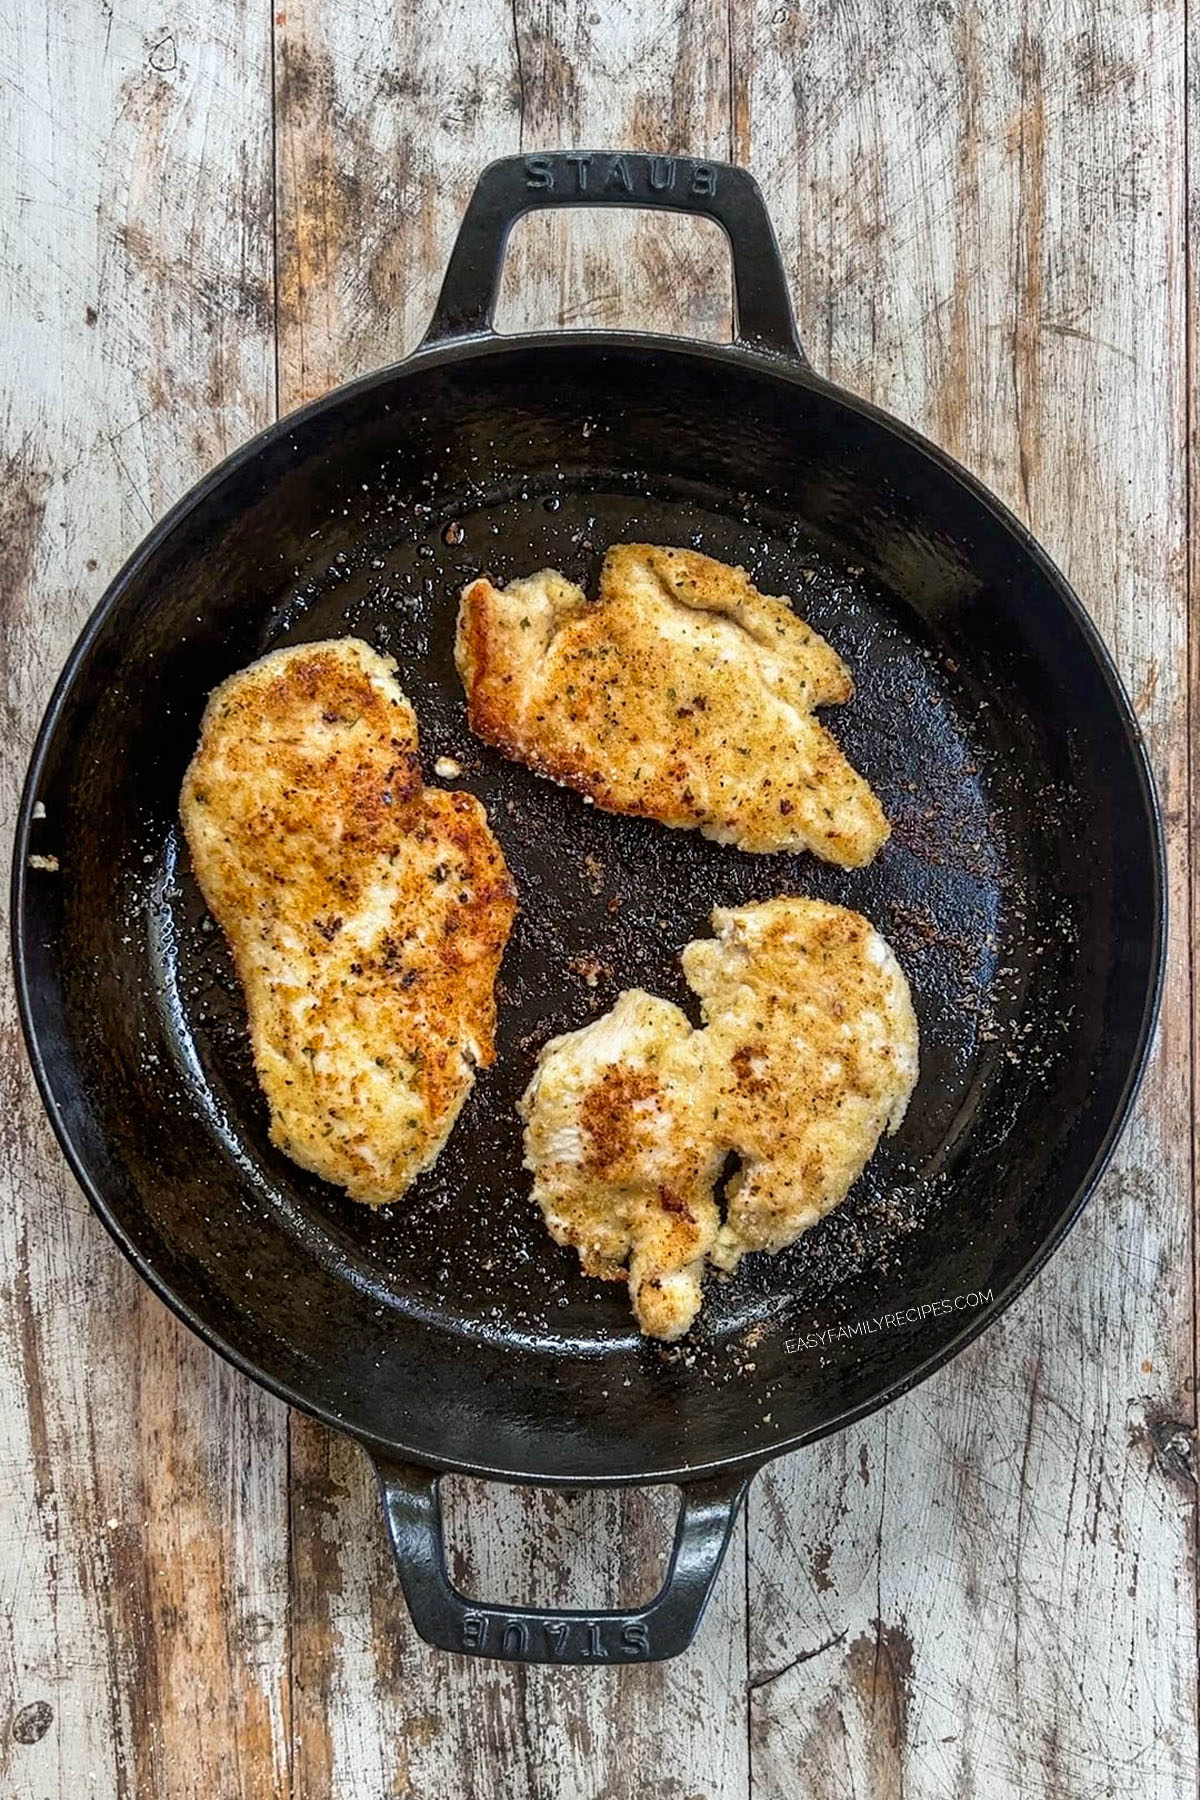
{"x": 680, "y": 694}
{"x": 621, "y": 1173}
{"x": 367, "y": 913}
{"x": 807, "y": 1055}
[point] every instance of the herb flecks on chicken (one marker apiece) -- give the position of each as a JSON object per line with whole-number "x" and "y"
{"x": 367, "y": 913}
{"x": 680, "y": 694}
{"x": 808, "y": 1054}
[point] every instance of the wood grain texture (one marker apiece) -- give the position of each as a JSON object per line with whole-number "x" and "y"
{"x": 143, "y": 1640}
{"x": 372, "y": 1705}
{"x": 627, "y": 79}
{"x": 1191, "y": 373}
{"x": 383, "y": 121}
{"x": 987, "y": 1590}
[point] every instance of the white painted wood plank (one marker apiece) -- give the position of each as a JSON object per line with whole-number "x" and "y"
{"x": 143, "y": 1561}
{"x": 644, "y": 82}
{"x": 378, "y": 1712}
{"x": 375, "y": 1711}
{"x": 988, "y": 1591}
{"x": 383, "y": 121}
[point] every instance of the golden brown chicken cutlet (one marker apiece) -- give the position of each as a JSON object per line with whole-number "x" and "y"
{"x": 808, "y": 1053}
{"x": 367, "y": 914}
{"x": 680, "y": 694}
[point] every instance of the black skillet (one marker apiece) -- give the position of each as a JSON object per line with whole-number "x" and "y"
{"x": 1022, "y": 889}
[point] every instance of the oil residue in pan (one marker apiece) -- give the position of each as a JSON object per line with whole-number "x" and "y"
{"x": 608, "y": 903}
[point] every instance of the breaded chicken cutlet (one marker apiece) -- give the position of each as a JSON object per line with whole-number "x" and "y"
{"x": 680, "y": 694}
{"x": 808, "y": 1053}
{"x": 367, "y": 914}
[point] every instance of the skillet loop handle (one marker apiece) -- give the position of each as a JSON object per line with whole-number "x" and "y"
{"x": 662, "y": 1628}
{"x": 516, "y": 185}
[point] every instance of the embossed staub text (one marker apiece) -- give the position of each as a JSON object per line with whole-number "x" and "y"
{"x": 556, "y": 1639}
{"x": 608, "y": 177}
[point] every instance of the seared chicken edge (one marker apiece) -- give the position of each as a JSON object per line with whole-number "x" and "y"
{"x": 680, "y": 694}
{"x": 367, "y": 914}
{"x": 807, "y": 1055}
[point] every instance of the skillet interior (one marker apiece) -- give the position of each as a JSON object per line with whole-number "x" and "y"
{"x": 1020, "y": 890}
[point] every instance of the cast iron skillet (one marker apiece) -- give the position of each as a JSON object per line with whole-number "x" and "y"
{"x": 1022, "y": 889}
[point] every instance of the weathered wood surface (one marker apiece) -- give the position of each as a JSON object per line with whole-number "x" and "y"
{"x": 995, "y": 1573}
{"x": 488, "y": 1728}
{"x": 145, "y": 1578}
{"x": 988, "y": 1591}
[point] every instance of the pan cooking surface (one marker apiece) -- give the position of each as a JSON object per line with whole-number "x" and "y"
{"x": 608, "y": 902}
{"x": 1021, "y": 890}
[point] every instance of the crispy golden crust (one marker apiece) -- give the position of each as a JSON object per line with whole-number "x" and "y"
{"x": 811, "y": 1041}
{"x": 620, "y": 1174}
{"x": 807, "y": 1055}
{"x": 681, "y": 694}
{"x": 367, "y": 914}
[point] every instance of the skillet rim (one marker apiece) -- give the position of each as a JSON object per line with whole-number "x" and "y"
{"x": 793, "y": 372}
